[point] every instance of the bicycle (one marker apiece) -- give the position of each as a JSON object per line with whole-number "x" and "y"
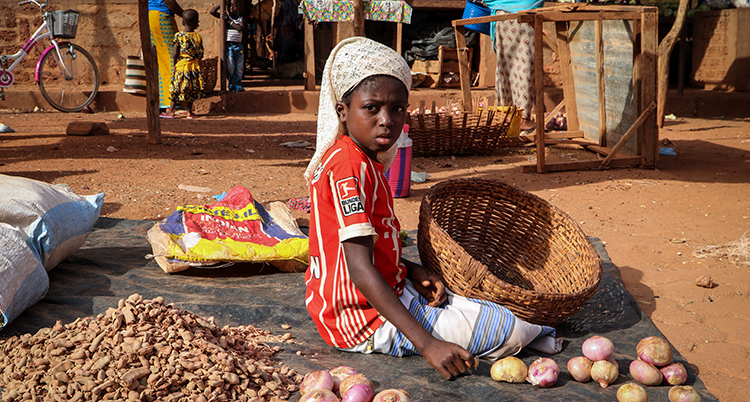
{"x": 65, "y": 72}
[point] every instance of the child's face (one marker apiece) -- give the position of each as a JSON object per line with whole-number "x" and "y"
{"x": 233, "y": 7}
{"x": 376, "y": 114}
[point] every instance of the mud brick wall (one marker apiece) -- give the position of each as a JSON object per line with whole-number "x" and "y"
{"x": 107, "y": 29}
{"x": 721, "y": 51}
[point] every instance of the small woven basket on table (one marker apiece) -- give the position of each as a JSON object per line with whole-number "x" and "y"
{"x": 491, "y": 241}
{"x": 466, "y": 133}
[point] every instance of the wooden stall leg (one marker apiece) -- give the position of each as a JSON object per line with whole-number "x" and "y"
{"x": 539, "y": 81}
{"x": 649, "y": 142}
{"x": 309, "y": 55}
{"x": 602, "y": 99}
{"x": 464, "y": 71}
{"x": 628, "y": 134}
{"x": 566, "y": 70}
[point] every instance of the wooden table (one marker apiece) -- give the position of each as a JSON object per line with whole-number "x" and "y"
{"x": 593, "y": 132}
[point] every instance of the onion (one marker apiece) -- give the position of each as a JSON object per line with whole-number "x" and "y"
{"x": 358, "y": 393}
{"x": 509, "y": 369}
{"x": 654, "y": 350}
{"x": 598, "y": 348}
{"x": 674, "y": 374}
{"x": 683, "y": 393}
{"x": 339, "y": 373}
{"x": 316, "y": 380}
{"x": 645, "y": 373}
{"x": 604, "y": 372}
{"x": 580, "y": 368}
{"x": 632, "y": 392}
{"x": 392, "y": 395}
{"x": 543, "y": 372}
{"x": 349, "y": 381}
{"x": 319, "y": 395}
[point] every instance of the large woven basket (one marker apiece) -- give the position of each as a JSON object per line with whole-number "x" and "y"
{"x": 491, "y": 241}
{"x": 466, "y": 133}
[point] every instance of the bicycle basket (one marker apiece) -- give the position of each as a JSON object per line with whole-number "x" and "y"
{"x": 64, "y": 24}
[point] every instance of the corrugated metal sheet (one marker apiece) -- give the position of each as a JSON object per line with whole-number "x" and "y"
{"x": 618, "y": 80}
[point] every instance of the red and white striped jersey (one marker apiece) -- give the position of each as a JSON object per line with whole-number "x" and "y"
{"x": 350, "y": 197}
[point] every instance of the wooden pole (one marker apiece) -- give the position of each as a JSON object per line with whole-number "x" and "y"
{"x": 599, "y": 45}
{"x": 628, "y": 134}
{"x": 152, "y": 75}
{"x": 665, "y": 50}
{"x": 359, "y": 18}
{"x": 539, "y": 82}
{"x": 309, "y": 55}
{"x": 566, "y": 69}
{"x": 223, "y": 47}
{"x": 649, "y": 142}
{"x": 464, "y": 71}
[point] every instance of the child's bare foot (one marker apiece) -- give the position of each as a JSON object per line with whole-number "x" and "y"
{"x": 191, "y": 116}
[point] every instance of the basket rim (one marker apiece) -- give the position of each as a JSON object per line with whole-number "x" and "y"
{"x": 511, "y": 288}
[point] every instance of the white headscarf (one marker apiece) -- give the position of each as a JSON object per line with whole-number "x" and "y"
{"x": 350, "y": 62}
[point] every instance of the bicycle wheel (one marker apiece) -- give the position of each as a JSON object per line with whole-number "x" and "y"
{"x": 72, "y": 93}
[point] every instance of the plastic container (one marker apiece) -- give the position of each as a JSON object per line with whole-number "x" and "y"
{"x": 474, "y": 9}
{"x": 399, "y": 174}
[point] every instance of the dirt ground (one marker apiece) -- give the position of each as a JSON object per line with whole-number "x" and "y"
{"x": 651, "y": 221}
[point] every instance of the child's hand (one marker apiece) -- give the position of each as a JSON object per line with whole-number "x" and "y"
{"x": 447, "y": 358}
{"x": 428, "y": 284}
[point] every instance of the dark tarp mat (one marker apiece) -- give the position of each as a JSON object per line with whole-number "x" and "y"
{"x": 111, "y": 265}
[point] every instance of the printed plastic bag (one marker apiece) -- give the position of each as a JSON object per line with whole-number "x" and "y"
{"x": 236, "y": 229}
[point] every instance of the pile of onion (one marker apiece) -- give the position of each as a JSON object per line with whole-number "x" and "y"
{"x": 654, "y": 350}
{"x": 654, "y": 364}
{"x": 543, "y": 372}
{"x": 632, "y": 392}
{"x": 509, "y": 369}
{"x": 598, "y": 348}
{"x": 341, "y": 382}
{"x": 580, "y": 368}
{"x": 683, "y": 393}
{"x": 596, "y": 363}
{"x": 645, "y": 373}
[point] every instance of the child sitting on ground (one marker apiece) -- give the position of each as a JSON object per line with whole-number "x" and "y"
{"x": 187, "y": 83}
{"x": 235, "y": 59}
{"x": 361, "y": 295}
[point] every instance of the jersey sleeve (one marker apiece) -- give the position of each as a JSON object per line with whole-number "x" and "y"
{"x": 349, "y": 186}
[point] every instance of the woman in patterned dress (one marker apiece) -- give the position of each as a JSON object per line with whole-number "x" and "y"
{"x": 187, "y": 83}
{"x": 514, "y": 45}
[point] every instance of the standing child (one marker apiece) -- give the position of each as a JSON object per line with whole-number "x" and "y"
{"x": 361, "y": 295}
{"x": 187, "y": 83}
{"x": 234, "y": 54}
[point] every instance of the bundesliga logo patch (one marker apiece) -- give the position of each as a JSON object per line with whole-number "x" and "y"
{"x": 347, "y": 192}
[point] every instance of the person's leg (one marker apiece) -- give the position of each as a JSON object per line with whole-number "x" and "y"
{"x": 163, "y": 29}
{"x": 514, "y": 76}
{"x": 230, "y": 68}
{"x": 238, "y": 65}
{"x": 484, "y": 328}
{"x": 190, "y": 114}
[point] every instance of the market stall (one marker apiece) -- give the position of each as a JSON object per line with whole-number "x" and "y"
{"x": 610, "y": 105}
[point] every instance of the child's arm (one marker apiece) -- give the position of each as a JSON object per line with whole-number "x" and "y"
{"x": 176, "y": 54}
{"x": 174, "y": 7}
{"x": 427, "y": 283}
{"x": 447, "y": 358}
{"x": 215, "y": 11}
